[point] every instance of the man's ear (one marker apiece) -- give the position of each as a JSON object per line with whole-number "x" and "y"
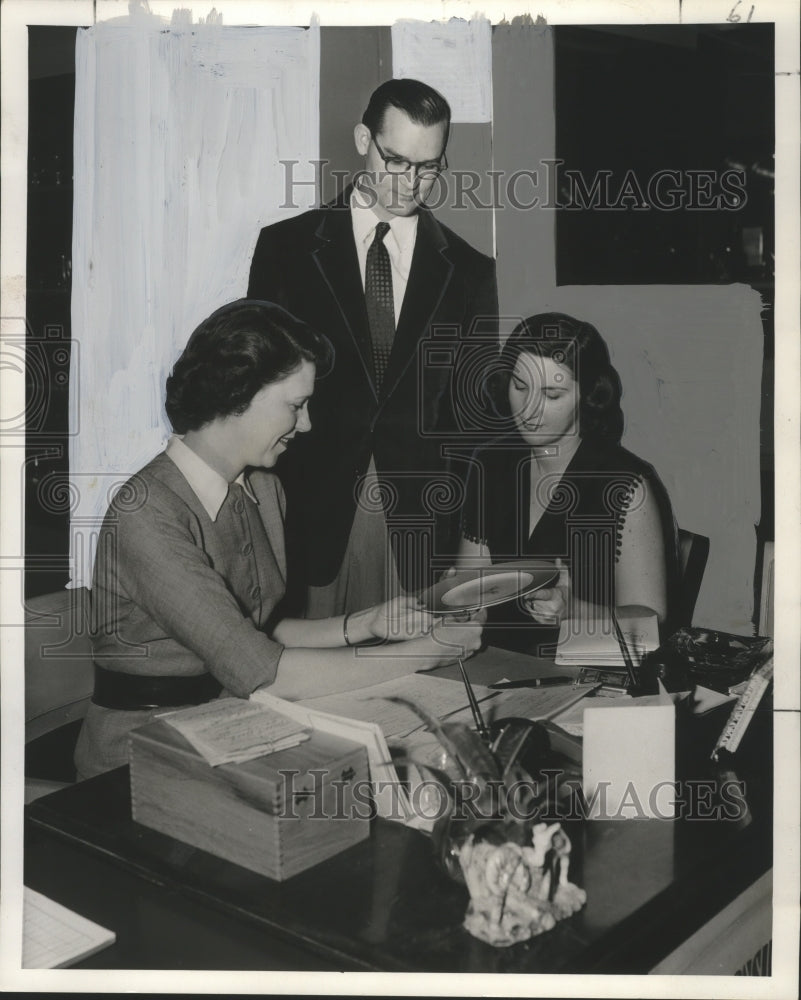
{"x": 362, "y": 137}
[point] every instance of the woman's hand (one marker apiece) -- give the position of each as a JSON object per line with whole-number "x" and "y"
{"x": 550, "y": 606}
{"x": 401, "y": 618}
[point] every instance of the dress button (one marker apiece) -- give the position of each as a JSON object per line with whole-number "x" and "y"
{"x": 247, "y": 548}
{"x": 255, "y": 591}
{"x": 238, "y": 506}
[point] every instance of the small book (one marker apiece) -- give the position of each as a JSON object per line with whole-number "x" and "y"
{"x": 54, "y": 937}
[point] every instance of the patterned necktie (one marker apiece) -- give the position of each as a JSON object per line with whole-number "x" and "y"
{"x": 379, "y": 301}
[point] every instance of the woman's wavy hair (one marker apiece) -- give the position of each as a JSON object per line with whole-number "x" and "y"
{"x": 242, "y": 347}
{"x": 580, "y": 347}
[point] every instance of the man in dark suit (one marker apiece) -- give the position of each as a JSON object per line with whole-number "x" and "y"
{"x": 370, "y": 491}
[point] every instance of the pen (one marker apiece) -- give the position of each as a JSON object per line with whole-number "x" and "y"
{"x": 483, "y": 732}
{"x": 534, "y": 682}
{"x": 624, "y": 649}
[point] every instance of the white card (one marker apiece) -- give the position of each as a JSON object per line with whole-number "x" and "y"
{"x": 630, "y": 761}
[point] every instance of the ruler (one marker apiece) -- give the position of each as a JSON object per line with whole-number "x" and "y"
{"x": 744, "y": 709}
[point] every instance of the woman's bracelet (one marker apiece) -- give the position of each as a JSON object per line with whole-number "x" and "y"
{"x": 345, "y": 630}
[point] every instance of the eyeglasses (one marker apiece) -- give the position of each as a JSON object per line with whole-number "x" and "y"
{"x": 399, "y": 165}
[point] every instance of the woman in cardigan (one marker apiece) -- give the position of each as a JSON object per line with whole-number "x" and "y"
{"x": 191, "y": 568}
{"x": 558, "y": 485}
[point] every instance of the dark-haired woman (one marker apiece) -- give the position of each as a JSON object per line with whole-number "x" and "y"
{"x": 190, "y": 568}
{"x": 559, "y": 485}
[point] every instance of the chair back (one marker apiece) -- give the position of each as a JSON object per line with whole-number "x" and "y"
{"x": 693, "y": 554}
{"x": 59, "y": 673}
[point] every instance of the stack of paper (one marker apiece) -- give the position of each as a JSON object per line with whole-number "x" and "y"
{"x": 231, "y": 730}
{"x": 593, "y": 643}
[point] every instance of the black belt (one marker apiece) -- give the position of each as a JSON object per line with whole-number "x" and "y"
{"x": 136, "y": 692}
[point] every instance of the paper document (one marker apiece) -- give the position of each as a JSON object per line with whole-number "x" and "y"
{"x": 232, "y": 730}
{"x": 54, "y": 937}
{"x": 539, "y": 704}
{"x": 439, "y": 696}
{"x": 455, "y": 56}
{"x": 704, "y": 699}
{"x": 593, "y": 643}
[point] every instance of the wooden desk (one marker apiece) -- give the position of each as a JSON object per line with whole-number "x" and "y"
{"x": 383, "y": 905}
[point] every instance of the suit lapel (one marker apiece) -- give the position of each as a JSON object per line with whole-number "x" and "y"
{"x": 335, "y": 256}
{"x": 428, "y": 277}
{"x": 336, "y": 259}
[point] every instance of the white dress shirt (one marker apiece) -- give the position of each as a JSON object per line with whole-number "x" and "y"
{"x": 207, "y": 484}
{"x": 399, "y": 242}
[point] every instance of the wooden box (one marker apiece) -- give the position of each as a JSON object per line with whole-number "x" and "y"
{"x": 252, "y": 814}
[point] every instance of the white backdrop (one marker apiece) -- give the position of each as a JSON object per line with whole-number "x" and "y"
{"x": 179, "y": 130}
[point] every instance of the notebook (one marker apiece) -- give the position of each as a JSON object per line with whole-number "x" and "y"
{"x": 54, "y": 937}
{"x": 594, "y": 643}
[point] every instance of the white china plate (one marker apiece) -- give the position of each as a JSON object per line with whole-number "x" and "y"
{"x": 470, "y": 590}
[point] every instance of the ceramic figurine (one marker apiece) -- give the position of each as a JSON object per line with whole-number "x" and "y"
{"x": 518, "y": 892}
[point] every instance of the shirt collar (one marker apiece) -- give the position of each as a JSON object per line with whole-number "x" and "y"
{"x": 208, "y": 485}
{"x": 402, "y": 227}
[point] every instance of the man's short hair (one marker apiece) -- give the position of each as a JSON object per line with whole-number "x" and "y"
{"x": 423, "y": 104}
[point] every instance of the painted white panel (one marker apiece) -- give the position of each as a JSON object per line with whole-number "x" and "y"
{"x": 454, "y": 57}
{"x": 178, "y": 136}
{"x": 690, "y": 360}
